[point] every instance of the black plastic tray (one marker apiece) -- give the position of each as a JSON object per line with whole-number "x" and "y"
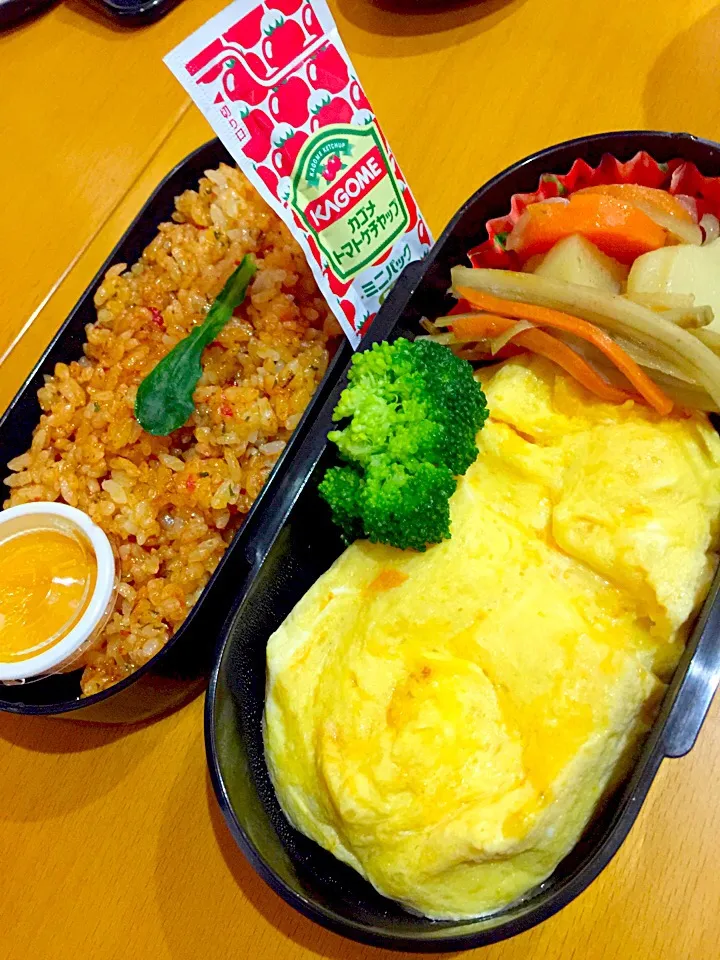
{"x": 299, "y": 544}
{"x": 180, "y": 670}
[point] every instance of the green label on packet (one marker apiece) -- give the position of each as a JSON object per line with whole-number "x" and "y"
{"x": 345, "y": 193}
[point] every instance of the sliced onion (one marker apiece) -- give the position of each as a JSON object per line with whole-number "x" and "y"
{"x": 680, "y": 230}
{"x": 497, "y": 343}
{"x": 690, "y": 204}
{"x": 710, "y": 226}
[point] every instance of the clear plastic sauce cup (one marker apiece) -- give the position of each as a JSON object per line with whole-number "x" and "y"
{"x": 57, "y": 589}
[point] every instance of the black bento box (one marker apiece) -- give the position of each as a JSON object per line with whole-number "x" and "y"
{"x": 298, "y": 543}
{"x": 179, "y": 671}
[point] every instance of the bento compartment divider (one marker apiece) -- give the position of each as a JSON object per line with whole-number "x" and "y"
{"x": 697, "y": 688}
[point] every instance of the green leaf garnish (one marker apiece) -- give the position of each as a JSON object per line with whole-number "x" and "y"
{"x": 164, "y": 399}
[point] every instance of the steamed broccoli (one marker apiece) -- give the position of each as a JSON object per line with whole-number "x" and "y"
{"x": 414, "y": 410}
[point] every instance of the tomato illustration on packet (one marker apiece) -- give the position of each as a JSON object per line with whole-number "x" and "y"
{"x": 289, "y": 102}
{"x": 327, "y": 70}
{"x": 276, "y": 83}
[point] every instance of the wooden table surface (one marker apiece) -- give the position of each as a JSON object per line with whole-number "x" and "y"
{"x": 111, "y": 843}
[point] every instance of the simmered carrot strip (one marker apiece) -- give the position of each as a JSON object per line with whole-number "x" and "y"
{"x": 485, "y": 325}
{"x": 481, "y": 326}
{"x": 621, "y": 230}
{"x": 571, "y": 362}
{"x": 650, "y": 196}
{"x": 543, "y": 316}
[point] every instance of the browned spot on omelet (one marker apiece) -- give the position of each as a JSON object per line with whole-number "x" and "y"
{"x": 387, "y": 580}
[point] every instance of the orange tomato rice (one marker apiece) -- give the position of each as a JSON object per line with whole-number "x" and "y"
{"x": 170, "y": 505}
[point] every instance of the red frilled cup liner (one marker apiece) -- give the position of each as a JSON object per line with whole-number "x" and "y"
{"x": 678, "y": 177}
{"x": 275, "y": 82}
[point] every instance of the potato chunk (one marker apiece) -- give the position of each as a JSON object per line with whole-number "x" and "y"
{"x": 683, "y": 269}
{"x": 576, "y": 260}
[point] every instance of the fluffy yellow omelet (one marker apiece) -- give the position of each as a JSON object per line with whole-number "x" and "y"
{"x": 446, "y": 722}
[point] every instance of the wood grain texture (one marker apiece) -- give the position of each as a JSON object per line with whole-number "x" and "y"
{"x": 111, "y": 844}
{"x": 84, "y": 106}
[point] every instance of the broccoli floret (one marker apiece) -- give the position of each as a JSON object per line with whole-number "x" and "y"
{"x": 407, "y": 504}
{"x": 414, "y": 410}
{"x": 342, "y": 487}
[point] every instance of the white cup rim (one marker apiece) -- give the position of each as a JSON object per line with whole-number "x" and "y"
{"x": 99, "y": 600}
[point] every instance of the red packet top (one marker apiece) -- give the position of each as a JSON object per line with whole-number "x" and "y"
{"x": 677, "y": 177}
{"x": 276, "y": 84}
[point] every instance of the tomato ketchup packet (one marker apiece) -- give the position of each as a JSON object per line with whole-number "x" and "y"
{"x": 276, "y": 84}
